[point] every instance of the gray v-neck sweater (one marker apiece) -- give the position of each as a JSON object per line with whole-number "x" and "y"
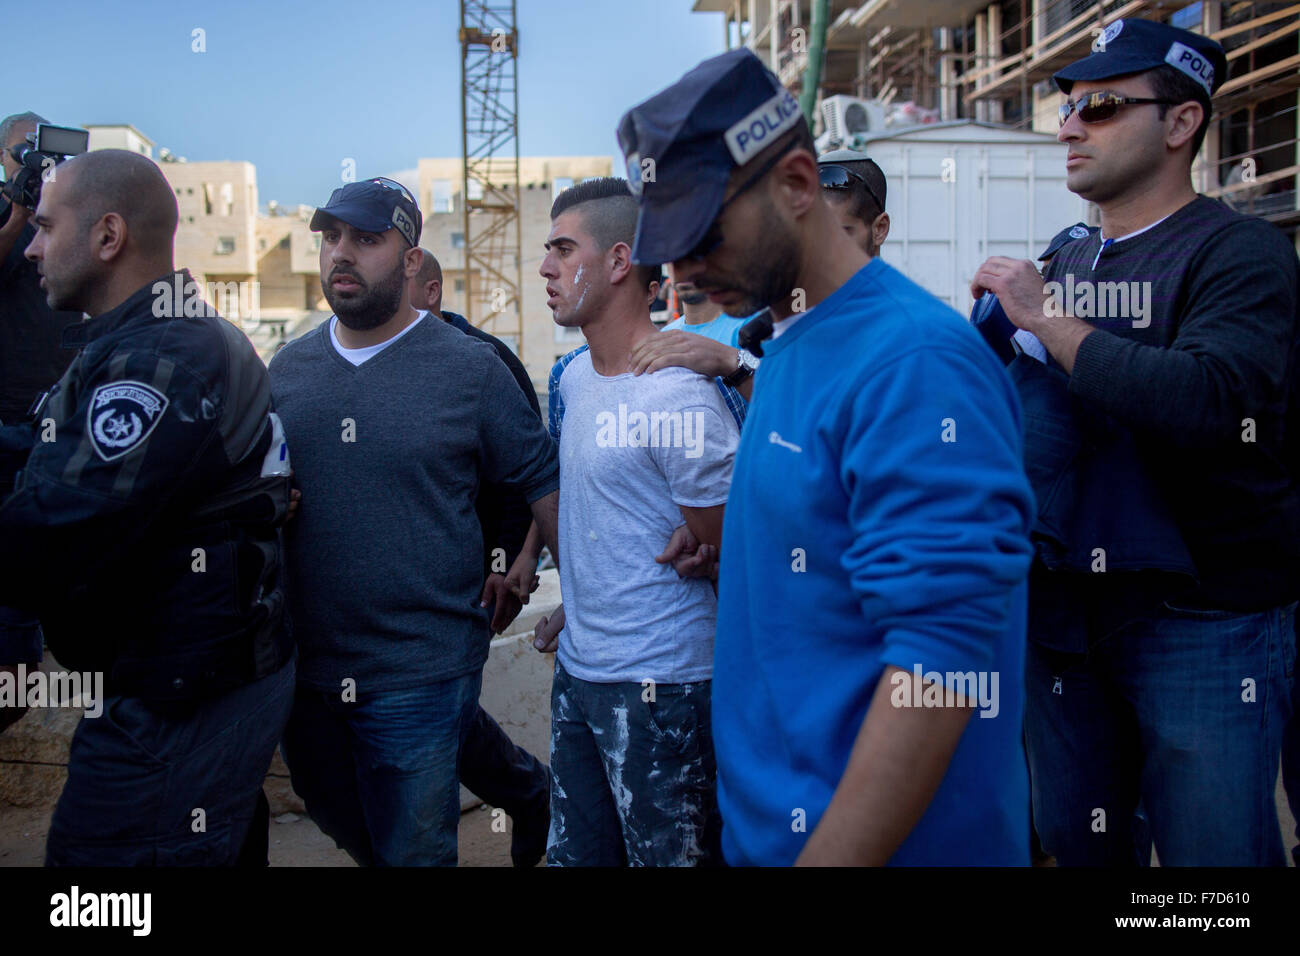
{"x": 385, "y": 556}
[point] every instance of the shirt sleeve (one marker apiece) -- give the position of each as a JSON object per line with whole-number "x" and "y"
{"x": 517, "y": 451}
{"x": 939, "y": 507}
{"x": 1229, "y": 356}
{"x": 698, "y": 466}
{"x": 554, "y": 400}
{"x": 136, "y": 435}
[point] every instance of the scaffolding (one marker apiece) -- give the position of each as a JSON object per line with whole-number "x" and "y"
{"x": 489, "y": 43}
{"x": 993, "y": 62}
{"x": 1250, "y": 158}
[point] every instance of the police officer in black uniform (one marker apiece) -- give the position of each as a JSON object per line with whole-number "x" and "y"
{"x": 140, "y": 517}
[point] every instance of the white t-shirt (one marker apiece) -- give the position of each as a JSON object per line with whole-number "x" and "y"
{"x": 357, "y": 356}
{"x": 634, "y": 448}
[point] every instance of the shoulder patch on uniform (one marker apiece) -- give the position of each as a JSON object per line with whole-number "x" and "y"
{"x": 121, "y": 416}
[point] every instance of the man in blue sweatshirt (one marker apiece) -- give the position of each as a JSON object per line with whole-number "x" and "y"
{"x": 871, "y": 613}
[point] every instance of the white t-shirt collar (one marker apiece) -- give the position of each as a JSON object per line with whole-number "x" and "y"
{"x": 357, "y": 356}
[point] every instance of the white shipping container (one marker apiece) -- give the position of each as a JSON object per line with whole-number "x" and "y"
{"x": 961, "y": 191}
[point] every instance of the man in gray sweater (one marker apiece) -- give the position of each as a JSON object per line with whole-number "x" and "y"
{"x": 399, "y": 420}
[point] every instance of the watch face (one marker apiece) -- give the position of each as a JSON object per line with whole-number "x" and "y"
{"x": 748, "y": 361}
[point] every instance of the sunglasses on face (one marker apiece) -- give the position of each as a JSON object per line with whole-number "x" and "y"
{"x": 713, "y": 238}
{"x": 839, "y": 177}
{"x": 1099, "y": 107}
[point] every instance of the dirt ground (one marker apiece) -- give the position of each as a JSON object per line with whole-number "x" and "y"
{"x": 295, "y": 840}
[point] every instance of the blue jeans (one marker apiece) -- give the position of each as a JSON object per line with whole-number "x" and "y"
{"x": 1291, "y": 760}
{"x": 138, "y": 774}
{"x": 1181, "y": 710}
{"x": 379, "y": 775}
{"x": 633, "y": 782}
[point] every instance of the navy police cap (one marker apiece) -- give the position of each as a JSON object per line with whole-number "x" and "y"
{"x": 1067, "y": 235}
{"x": 1133, "y": 46}
{"x": 372, "y": 205}
{"x": 682, "y": 144}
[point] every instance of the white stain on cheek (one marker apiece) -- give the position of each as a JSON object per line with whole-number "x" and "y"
{"x": 577, "y": 275}
{"x": 582, "y": 297}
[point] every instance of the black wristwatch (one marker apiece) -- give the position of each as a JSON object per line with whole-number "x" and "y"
{"x": 746, "y": 365}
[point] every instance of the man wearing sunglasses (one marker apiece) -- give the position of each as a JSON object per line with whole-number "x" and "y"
{"x": 1149, "y": 685}
{"x": 855, "y": 188}
{"x": 868, "y": 560}
{"x": 402, "y": 418}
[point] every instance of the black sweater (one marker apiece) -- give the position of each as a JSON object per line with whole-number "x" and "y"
{"x": 1206, "y": 381}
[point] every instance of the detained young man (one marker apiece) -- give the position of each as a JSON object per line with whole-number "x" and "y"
{"x": 631, "y": 744}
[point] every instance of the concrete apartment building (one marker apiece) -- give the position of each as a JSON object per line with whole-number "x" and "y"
{"x": 259, "y": 269}
{"x": 269, "y": 259}
{"x": 993, "y": 62}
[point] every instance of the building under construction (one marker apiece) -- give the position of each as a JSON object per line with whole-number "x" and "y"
{"x": 896, "y": 63}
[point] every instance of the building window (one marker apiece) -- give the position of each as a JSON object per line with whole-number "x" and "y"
{"x": 225, "y": 245}
{"x": 207, "y": 199}
{"x": 261, "y": 245}
{"x": 315, "y": 242}
{"x": 442, "y": 196}
{"x": 474, "y": 190}
{"x": 458, "y": 240}
{"x": 560, "y": 185}
{"x": 284, "y": 243}
{"x": 459, "y": 285}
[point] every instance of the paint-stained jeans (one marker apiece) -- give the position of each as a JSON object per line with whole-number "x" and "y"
{"x": 1182, "y": 710}
{"x": 633, "y": 782}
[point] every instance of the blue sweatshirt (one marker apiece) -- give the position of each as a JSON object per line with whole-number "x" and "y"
{"x": 879, "y": 515}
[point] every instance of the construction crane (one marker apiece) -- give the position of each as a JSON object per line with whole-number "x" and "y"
{"x": 489, "y": 92}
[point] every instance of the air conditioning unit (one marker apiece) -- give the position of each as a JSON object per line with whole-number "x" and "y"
{"x": 844, "y": 117}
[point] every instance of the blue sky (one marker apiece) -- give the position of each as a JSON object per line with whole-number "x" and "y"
{"x": 294, "y": 88}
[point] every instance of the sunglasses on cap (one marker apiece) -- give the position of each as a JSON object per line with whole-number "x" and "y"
{"x": 384, "y": 181}
{"x": 832, "y": 176}
{"x": 392, "y": 184}
{"x": 713, "y": 238}
{"x": 1099, "y": 107}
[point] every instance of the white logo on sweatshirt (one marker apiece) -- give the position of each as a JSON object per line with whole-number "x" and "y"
{"x": 776, "y": 439}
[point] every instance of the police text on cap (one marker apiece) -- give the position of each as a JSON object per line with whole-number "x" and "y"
{"x": 747, "y": 138}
